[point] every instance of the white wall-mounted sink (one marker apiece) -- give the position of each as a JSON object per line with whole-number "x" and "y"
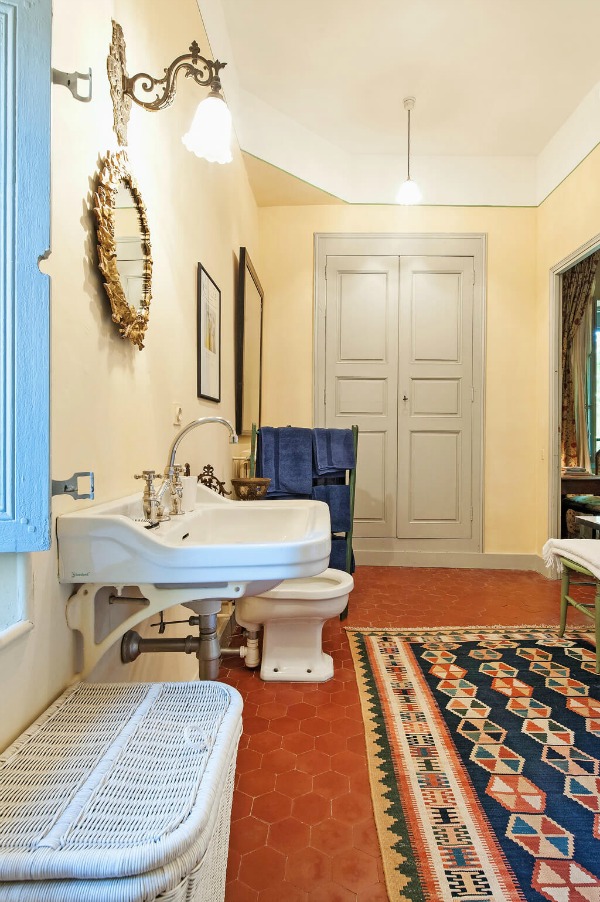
{"x": 252, "y": 543}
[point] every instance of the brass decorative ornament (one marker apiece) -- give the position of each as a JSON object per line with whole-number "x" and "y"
{"x": 114, "y": 178}
{"x": 207, "y": 477}
{"x": 116, "y": 66}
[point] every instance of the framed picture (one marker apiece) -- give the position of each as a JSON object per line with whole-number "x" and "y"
{"x": 209, "y": 337}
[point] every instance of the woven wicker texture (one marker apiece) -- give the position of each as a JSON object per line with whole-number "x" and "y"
{"x": 118, "y": 781}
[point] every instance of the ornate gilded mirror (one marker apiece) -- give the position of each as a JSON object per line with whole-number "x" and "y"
{"x": 124, "y": 252}
{"x": 248, "y": 346}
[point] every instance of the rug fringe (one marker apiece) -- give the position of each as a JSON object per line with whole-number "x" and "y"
{"x": 477, "y": 626}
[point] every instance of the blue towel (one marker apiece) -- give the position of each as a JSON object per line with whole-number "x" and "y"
{"x": 333, "y": 451}
{"x": 337, "y": 558}
{"x": 285, "y": 457}
{"x": 337, "y": 497}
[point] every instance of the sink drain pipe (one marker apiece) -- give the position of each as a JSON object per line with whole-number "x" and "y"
{"x": 249, "y": 652}
{"x": 205, "y": 646}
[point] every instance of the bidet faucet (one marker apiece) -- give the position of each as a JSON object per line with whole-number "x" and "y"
{"x": 150, "y": 498}
{"x": 170, "y": 469}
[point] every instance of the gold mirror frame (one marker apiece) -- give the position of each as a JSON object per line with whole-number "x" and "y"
{"x": 132, "y": 322}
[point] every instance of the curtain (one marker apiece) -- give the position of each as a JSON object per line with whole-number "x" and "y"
{"x": 580, "y": 352}
{"x": 577, "y": 287}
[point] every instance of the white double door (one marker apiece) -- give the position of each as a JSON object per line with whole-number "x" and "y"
{"x": 399, "y": 362}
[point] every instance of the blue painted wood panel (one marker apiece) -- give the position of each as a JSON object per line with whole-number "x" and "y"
{"x": 25, "y": 78}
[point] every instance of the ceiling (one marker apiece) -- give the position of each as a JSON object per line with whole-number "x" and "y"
{"x": 496, "y": 85}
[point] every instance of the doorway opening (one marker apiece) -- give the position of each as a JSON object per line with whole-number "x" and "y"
{"x": 574, "y": 478}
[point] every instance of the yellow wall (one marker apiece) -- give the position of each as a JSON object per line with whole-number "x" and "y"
{"x": 511, "y": 367}
{"x": 111, "y": 403}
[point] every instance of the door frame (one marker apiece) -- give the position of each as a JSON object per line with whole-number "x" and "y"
{"x": 555, "y": 377}
{"x": 424, "y": 552}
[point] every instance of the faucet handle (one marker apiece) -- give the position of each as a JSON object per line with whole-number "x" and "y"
{"x": 148, "y": 475}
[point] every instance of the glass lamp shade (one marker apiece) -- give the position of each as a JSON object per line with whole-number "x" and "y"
{"x": 409, "y": 193}
{"x": 210, "y": 132}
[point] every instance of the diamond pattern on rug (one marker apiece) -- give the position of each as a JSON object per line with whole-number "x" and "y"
{"x": 534, "y": 654}
{"x": 447, "y": 671}
{"x": 528, "y": 707}
{"x": 567, "y": 686}
{"x": 562, "y": 881}
{"x": 481, "y": 731}
{"x": 549, "y": 668}
{"x": 497, "y": 759}
{"x": 498, "y": 669}
{"x": 585, "y": 790}
{"x": 468, "y": 707}
{"x": 548, "y": 731}
{"x": 512, "y": 687}
{"x": 516, "y": 793}
{"x": 540, "y": 836}
{"x": 458, "y": 688}
{"x": 570, "y": 760}
{"x": 485, "y": 654}
{"x": 499, "y": 786}
{"x": 587, "y": 707}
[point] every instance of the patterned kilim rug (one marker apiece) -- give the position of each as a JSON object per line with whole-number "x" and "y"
{"x": 484, "y": 758}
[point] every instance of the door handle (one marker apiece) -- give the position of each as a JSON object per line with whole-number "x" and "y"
{"x": 405, "y": 398}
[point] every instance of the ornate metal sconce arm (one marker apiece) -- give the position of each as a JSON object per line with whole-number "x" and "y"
{"x": 122, "y": 87}
{"x": 203, "y": 72}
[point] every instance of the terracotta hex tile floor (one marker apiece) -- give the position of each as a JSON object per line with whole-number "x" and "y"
{"x": 302, "y": 822}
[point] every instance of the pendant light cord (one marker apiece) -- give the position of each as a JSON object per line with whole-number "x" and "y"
{"x": 408, "y": 164}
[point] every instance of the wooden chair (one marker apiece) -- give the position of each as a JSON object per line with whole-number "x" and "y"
{"x": 569, "y": 568}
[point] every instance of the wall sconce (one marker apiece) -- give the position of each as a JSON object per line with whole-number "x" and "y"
{"x": 210, "y": 132}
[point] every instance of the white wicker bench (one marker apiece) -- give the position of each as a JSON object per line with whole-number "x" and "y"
{"x": 121, "y": 793}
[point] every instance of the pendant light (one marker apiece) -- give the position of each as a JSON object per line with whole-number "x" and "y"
{"x": 409, "y": 192}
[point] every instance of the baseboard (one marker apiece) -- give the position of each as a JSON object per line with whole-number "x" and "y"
{"x": 460, "y": 559}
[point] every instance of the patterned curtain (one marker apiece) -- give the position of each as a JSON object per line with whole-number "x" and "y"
{"x": 580, "y": 356}
{"x": 577, "y": 287}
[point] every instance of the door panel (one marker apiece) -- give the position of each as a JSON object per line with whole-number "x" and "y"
{"x": 435, "y": 313}
{"x": 435, "y": 397}
{"x": 361, "y": 378}
{"x": 361, "y": 396}
{"x": 369, "y": 502}
{"x": 434, "y": 467}
{"x": 435, "y": 381}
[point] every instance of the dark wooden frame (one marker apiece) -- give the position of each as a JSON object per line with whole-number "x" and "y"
{"x": 246, "y": 270}
{"x": 203, "y": 388}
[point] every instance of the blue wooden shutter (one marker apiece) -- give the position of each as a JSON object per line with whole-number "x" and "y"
{"x": 25, "y": 77}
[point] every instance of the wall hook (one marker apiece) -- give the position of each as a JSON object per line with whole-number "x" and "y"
{"x": 71, "y": 79}
{"x": 70, "y": 486}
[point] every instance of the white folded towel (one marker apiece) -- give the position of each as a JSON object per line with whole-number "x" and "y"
{"x": 585, "y": 552}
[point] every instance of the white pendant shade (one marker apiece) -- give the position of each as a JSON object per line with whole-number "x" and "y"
{"x": 409, "y": 193}
{"x": 210, "y": 132}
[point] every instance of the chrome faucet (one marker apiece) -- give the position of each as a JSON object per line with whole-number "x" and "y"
{"x": 171, "y": 477}
{"x": 152, "y": 511}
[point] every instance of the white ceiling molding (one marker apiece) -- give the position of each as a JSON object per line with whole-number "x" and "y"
{"x": 270, "y": 135}
{"x": 373, "y": 179}
{"x": 570, "y": 145}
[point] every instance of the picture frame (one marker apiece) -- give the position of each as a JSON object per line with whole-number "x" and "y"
{"x": 208, "y": 337}
{"x": 248, "y": 346}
